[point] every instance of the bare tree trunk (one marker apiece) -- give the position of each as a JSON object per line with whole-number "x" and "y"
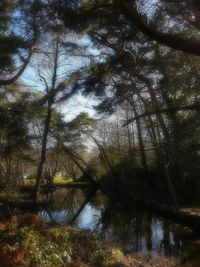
{"x": 81, "y": 164}
{"x": 130, "y": 149}
{"x": 140, "y": 140}
{"x": 50, "y": 94}
{"x": 43, "y": 154}
{"x": 105, "y": 159}
{"x": 151, "y": 130}
{"x": 118, "y": 139}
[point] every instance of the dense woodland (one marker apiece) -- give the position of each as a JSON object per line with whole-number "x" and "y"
{"x": 137, "y": 60}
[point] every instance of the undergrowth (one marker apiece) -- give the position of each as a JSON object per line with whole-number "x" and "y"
{"x": 27, "y": 242}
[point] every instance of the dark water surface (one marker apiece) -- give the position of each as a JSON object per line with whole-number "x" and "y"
{"x": 133, "y": 230}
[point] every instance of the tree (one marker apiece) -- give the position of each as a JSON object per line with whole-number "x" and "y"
{"x": 14, "y": 135}
{"x": 57, "y": 84}
{"x": 15, "y": 49}
{"x": 135, "y": 14}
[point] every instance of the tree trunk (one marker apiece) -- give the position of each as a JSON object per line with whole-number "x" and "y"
{"x": 50, "y": 100}
{"x": 42, "y": 155}
{"x": 140, "y": 141}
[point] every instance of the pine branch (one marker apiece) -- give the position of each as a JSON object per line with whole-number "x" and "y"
{"x": 191, "y": 46}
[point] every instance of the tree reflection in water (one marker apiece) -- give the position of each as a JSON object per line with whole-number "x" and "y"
{"x": 134, "y": 230}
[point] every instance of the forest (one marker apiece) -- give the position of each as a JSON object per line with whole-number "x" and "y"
{"x": 99, "y": 133}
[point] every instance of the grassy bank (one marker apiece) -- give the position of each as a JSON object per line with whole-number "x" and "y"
{"x": 56, "y": 180}
{"x": 26, "y": 241}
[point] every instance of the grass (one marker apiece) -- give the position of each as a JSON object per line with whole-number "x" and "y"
{"x": 61, "y": 180}
{"x": 56, "y": 180}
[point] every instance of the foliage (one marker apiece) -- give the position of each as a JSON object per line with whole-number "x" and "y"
{"x": 57, "y": 246}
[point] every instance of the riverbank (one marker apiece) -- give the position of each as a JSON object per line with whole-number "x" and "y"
{"x": 26, "y": 241}
{"x": 132, "y": 229}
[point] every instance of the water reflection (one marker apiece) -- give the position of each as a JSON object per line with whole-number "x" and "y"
{"x": 137, "y": 231}
{"x": 133, "y": 230}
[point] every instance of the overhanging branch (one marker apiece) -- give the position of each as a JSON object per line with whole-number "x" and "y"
{"x": 164, "y": 110}
{"x": 191, "y": 46}
{"x": 19, "y": 73}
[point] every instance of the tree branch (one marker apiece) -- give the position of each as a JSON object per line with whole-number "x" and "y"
{"x": 191, "y": 46}
{"x": 164, "y": 110}
{"x": 19, "y": 73}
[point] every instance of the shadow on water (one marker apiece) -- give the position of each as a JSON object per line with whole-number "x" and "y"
{"x": 133, "y": 230}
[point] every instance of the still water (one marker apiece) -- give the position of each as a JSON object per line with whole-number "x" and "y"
{"x": 133, "y": 230}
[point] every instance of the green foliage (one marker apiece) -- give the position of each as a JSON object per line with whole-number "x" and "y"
{"x": 43, "y": 252}
{"x": 81, "y": 126}
{"x": 60, "y": 245}
{"x": 75, "y": 132}
{"x": 9, "y": 42}
{"x": 13, "y": 128}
